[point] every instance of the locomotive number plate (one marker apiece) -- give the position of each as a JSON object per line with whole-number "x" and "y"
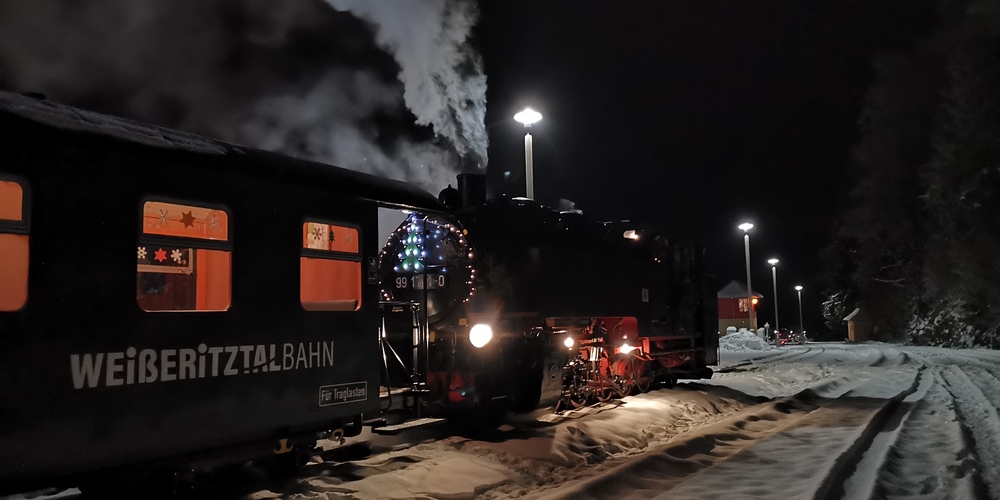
{"x": 433, "y": 281}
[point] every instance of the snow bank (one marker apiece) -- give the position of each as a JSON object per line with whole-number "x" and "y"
{"x": 743, "y": 340}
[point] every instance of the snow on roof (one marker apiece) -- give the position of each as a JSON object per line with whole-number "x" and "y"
{"x": 735, "y": 289}
{"x": 69, "y": 118}
{"x": 853, "y": 314}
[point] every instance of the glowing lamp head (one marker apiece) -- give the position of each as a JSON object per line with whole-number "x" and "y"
{"x": 528, "y": 116}
{"x": 480, "y": 335}
{"x": 569, "y": 342}
{"x": 754, "y": 301}
{"x": 798, "y": 288}
{"x": 625, "y": 348}
{"x": 773, "y": 262}
{"x": 746, "y": 226}
{"x": 630, "y": 234}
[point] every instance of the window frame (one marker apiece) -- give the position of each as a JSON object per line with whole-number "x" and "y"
{"x": 225, "y": 245}
{"x": 312, "y": 253}
{"x": 21, "y": 227}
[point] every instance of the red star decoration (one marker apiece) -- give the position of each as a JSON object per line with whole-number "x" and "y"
{"x": 161, "y": 255}
{"x": 187, "y": 219}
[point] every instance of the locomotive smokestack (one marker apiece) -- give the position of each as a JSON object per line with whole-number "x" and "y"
{"x": 472, "y": 188}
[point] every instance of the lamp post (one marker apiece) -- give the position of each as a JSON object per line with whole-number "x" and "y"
{"x": 798, "y": 288}
{"x": 527, "y": 117}
{"x": 746, "y": 227}
{"x": 774, "y": 281}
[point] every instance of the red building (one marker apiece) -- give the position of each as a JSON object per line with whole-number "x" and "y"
{"x": 733, "y": 307}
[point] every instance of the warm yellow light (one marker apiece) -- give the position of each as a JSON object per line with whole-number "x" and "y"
{"x": 754, "y": 301}
{"x": 568, "y": 342}
{"x": 480, "y": 335}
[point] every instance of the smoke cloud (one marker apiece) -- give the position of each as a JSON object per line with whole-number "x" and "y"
{"x": 295, "y": 76}
{"x": 443, "y": 76}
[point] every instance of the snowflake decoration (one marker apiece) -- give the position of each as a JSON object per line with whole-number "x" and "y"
{"x": 176, "y": 255}
{"x": 164, "y": 218}
{"x": 213, "y": 222}
{"x": 142, "y": 253}
{"x": 317, "y": 235}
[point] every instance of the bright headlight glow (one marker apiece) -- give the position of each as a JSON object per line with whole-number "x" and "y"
{"x": 568, "y": 342}
{"x": 625, "y": 348}
{"x": 480, "y": 334}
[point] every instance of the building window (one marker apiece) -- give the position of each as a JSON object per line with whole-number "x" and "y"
{"x": 13, "y": 245}
{"x": 744, "y": 306}
{"x": 183, "y": 258}
{"x": 330, "y": 267}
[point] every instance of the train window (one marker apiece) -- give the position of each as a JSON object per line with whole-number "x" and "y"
{"x": 13, "y": 245}
{"x": 330, "y": 267}
{"x": 184, "y": 258}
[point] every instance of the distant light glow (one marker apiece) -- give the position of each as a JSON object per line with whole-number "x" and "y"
{"x": 772, "y": 261}
{"x": 568, "y": 342}
{"x": 746, "y": 226}
{"x": 798, "y": 288}
{"x": 630, "y": 234}
{"x": 528, "y": 116}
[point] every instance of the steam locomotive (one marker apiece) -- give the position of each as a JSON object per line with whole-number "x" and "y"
{"x": 170, "y": 300}
{"x": 525, "y": 306}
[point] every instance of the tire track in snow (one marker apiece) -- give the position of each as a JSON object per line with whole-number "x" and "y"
{"x": 918, "y": 452}
{"x": 791, "y": 356}
{"x": 826, "y": 445}
{"x": 980, "y": 425}
{"x": 704, "y": 462}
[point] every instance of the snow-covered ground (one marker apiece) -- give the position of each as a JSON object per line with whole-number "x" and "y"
{"x": 812, "y": 421}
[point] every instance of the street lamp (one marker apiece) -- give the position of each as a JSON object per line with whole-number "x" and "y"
{"x": 527, "y": 117}
{"x": 746, "y": 227}
{"x": 798, "y": 288}
{"x": 774, "y": 281}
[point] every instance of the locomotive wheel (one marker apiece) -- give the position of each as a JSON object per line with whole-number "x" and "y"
{"x": 578, "y": 400}
{"x": 642, "y": 378}
{"x": 606, "y": 394}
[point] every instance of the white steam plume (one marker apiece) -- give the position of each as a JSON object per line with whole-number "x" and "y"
{"x": 327, "y": 123}
{"x": 294, "y": 76}
{"x": 442, "y": 75}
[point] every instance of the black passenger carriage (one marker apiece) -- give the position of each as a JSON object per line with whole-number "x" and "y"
{"x": 181, "y": 297}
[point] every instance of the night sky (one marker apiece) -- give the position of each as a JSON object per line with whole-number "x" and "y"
{"x": 696, "y": 115}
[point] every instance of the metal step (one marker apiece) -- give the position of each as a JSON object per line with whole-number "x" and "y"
{"x": 392, "y": 430}
{"x": 374, "y": 422}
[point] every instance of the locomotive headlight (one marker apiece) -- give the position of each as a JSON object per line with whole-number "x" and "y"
{"x": 568, "y": 342}
{"x": 480, "y": 334}
{"x": 625, "y": 348}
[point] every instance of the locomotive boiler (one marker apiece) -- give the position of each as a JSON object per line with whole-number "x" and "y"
{"x": 523, "y": 305}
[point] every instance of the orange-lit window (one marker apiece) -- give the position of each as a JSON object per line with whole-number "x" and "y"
{"x": 13, "y": 245}
{"x": 183, "y": 258}
{"x": 330, "y": 267}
